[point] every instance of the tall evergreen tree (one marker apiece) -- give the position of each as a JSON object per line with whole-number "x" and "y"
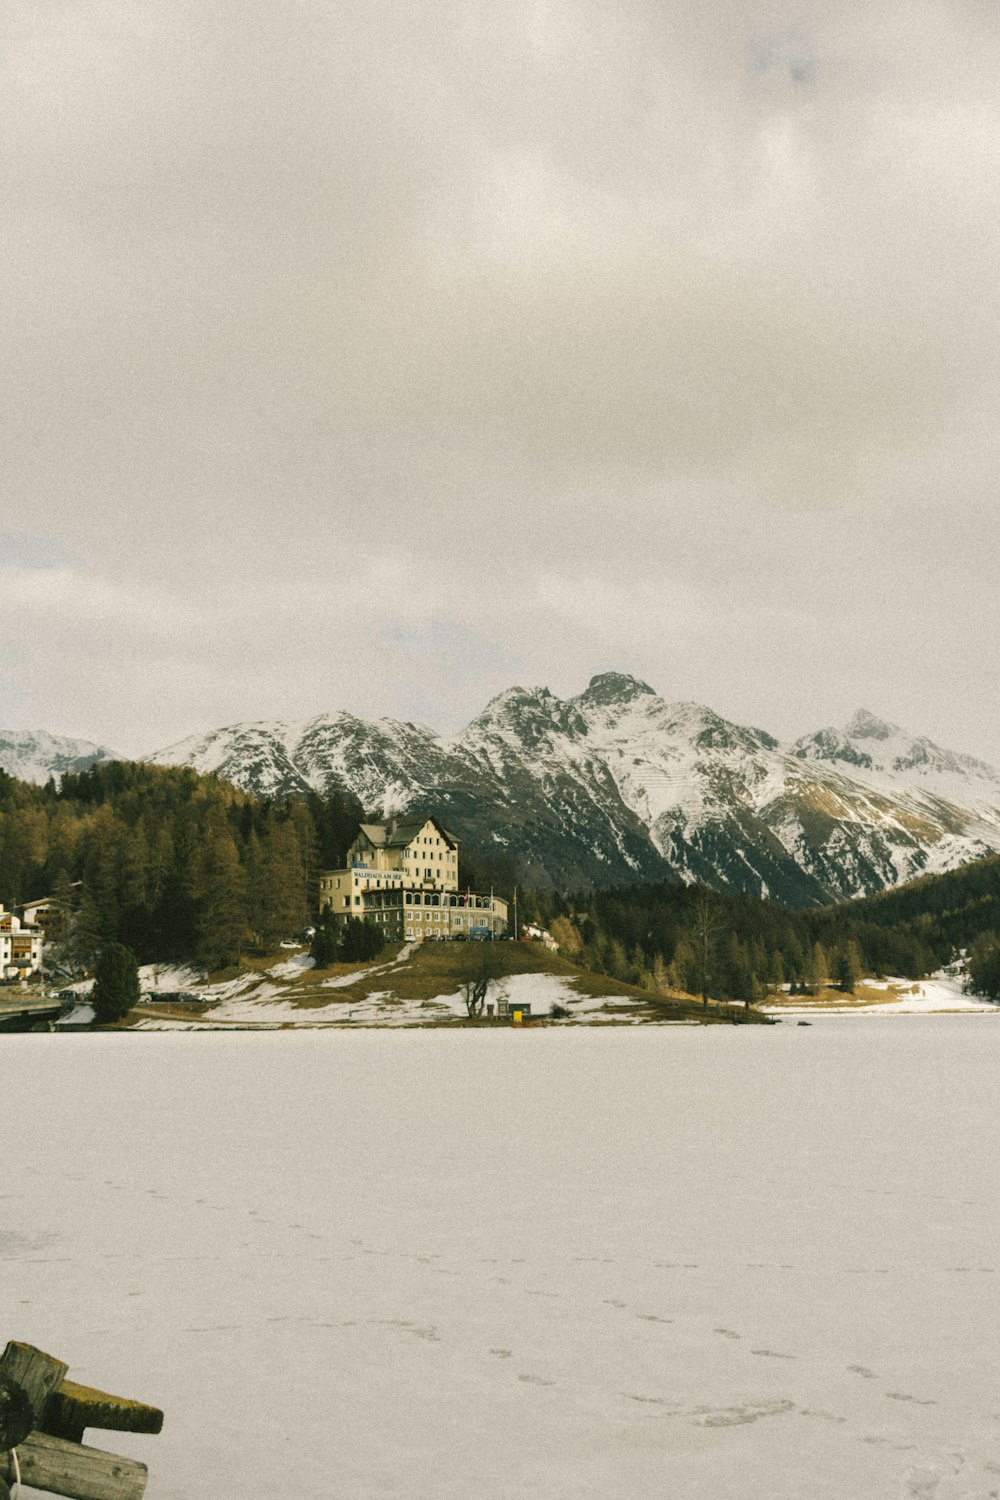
{"x": 283, "y": 882}
{"x": 817, "y": 969}
{"x": 325, "y": 944}
{"x": 983, "y": 966}
{"x": 59, "y": 926}
{"x": 706, "y": 926}
{"x": 222, "y": 912}
{"x": 89, "y": 930}
{"x": 847, "y": 966}
{"x": 116, "y": 983}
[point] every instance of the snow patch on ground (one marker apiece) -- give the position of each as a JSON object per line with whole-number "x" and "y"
{"x": 80, "y": 1015}
{"x": 940, "y": 993}
{"x": 292, "y": 968}
{"x": 156, "y": 978}
{"x": 252, "y": 999}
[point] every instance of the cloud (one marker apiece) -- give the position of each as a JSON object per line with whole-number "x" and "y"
{"x": 19, "y": 550}
{"x": 318, "y": 315}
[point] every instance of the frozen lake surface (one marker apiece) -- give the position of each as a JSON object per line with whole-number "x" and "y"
{"x": 724, "y": 1262}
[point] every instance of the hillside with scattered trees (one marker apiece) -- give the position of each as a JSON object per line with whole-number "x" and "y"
{"x": 171, "y": 864}
{"x": 722, "y": 944}
{"x": 178, "y": 866}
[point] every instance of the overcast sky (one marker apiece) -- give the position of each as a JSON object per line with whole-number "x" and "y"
{"x": 381, "y": 356}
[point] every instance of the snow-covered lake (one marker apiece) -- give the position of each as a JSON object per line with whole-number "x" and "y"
{"x": 724, "y": 1262}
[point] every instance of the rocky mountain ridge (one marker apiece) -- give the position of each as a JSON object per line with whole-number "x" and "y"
{"x": 618, "y": 784}
{"x": 35, "y": 755}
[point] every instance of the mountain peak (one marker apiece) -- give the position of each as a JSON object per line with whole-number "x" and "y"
{"x": 615, "y": 687}
{"x": 513, "y": 698}
{"x": 867, "y": 726}
{"x": 35, "y": 754}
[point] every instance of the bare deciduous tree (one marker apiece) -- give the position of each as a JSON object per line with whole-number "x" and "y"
{"x": 482, "y": 977}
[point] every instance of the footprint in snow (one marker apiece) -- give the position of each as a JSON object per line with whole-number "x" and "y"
{"x": 921, "y": 1484}
{"x": 739, "y": 1416}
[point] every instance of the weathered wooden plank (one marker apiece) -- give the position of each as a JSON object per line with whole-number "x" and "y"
{"x": 73, "y": 1407}
{"x": 63, "y": 1468}
{"x": 16, "y": 1416}
{"x": 36, "y": 1373}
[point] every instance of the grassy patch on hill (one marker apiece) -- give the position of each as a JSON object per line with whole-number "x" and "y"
{"x": 435, "y": 969}
{"x": 430, "y": 970}
{"x": 864, "y": 995}
{"x": 421, "y": 982}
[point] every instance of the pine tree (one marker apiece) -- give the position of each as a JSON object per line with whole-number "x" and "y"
{"x": 705, "y": 927}
{"x": 983, "y": 966}
{"x": 58, "y": 928}
{"x": 684, "y": 967}
{"x": 565, "y": 934}
{"x": 116, "y": 983}
{"x": 222, "y": 915}
{"x": 88, "y": 931}
{"x": 757, "y": 954}
{"x": 817, "y": 969}
{"x": 283, "y": 885}
{"x": 748, "y": 988}
{"x": 639, "y": 970}
{"x": 360, "y": 940}
{"x": 325, "y": 943}
{"x": 617, "y": 961}
{"x": 847, "y": 967}
{"x": 734, "y": 967}
{"x": 794, "y": 962}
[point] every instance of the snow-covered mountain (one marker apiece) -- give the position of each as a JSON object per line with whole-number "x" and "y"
{"x": 35, "y": 755}
{"x": 618, "y": 784}
{"x": 868, "y": 744}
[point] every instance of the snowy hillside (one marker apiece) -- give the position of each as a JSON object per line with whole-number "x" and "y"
{"x": 35, "y": 755}
{"x": 868, "y": 744}
{"x": 618, "y": 784}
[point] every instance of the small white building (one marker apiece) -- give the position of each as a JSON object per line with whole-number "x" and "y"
{"x": 38, "y": 913}
{"x": 20, "y": 947}
{"x": 540, "y": 935}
